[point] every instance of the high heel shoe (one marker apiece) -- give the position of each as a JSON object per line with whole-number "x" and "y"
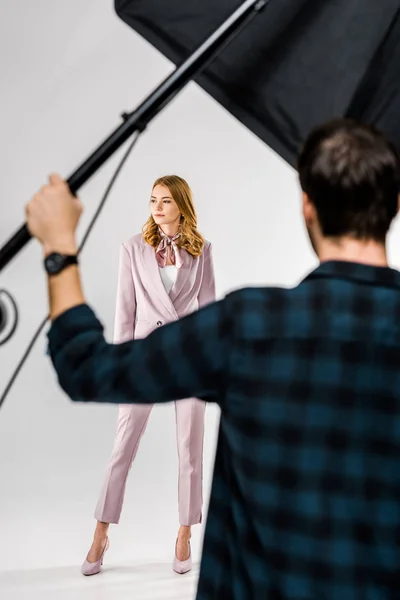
{"x": 89, "y": 568}
{"x": 182, "y": 566}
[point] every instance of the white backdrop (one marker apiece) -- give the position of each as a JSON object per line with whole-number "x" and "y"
{"x": 67, "y": 71}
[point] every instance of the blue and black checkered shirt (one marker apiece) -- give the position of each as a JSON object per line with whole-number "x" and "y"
{"x": 305, "y": 502}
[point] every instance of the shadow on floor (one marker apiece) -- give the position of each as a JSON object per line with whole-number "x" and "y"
{"x": 155, "y": 581}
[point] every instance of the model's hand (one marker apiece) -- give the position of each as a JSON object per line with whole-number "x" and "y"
{"x": 52, "y": 216}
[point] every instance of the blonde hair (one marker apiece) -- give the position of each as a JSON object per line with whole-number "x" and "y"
{"x": 190, "y": 239}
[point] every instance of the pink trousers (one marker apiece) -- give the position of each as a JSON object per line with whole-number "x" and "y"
{"x": 132, "y": 422}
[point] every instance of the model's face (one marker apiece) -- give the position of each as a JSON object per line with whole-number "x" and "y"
{"x": 164, "y": 209}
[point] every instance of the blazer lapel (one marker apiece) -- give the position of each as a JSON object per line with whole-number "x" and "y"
{"x": 182, "y": 275}
{"x": 153, "y": 278}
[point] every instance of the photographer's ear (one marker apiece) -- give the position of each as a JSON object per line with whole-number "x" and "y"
{"x": 309, "y": 212}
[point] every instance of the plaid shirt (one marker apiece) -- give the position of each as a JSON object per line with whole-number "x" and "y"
{"x": 305, "y": 502}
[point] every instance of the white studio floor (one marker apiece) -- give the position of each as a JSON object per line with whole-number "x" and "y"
{"x": 133, "y": 581}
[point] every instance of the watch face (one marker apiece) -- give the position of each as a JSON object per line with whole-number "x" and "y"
{"x": 54, "y": 263}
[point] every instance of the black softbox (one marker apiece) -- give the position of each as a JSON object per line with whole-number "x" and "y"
{"x": 298, "y": 63}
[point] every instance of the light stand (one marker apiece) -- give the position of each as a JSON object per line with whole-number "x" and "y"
{"x": 152, "y": 105}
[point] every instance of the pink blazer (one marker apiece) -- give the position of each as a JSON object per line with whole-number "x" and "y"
{"x": 142, "y": 301}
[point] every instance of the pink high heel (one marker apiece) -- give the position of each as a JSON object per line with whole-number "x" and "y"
{"x": 182, "y": 566}
{"x": 89, "y": 568}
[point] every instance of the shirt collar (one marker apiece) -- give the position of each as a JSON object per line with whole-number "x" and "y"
{"x": 380, "y": 276}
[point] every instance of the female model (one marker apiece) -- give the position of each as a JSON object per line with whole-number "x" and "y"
{"x": 165, "y": 273}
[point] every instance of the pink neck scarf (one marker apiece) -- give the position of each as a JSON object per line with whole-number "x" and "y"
{"x": 162, "y": 250}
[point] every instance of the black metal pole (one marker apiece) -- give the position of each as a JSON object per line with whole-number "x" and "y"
{"x": 139, "y": 118}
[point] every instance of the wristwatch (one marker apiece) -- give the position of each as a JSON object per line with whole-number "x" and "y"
{"x": 55, "y": 262}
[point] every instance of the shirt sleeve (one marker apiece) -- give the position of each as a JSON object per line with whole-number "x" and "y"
{"x": 186, "y": 358}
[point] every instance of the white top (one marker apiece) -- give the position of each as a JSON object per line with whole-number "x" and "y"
{"x": 168, "y": 276}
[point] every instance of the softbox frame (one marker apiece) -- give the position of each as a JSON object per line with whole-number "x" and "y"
{"x": 298, "y": 64}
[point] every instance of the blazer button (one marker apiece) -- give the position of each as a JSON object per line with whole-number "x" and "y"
{"x": 159, "y": 323}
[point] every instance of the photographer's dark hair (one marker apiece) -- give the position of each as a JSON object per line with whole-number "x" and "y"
{"x": 351, "y": 173}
